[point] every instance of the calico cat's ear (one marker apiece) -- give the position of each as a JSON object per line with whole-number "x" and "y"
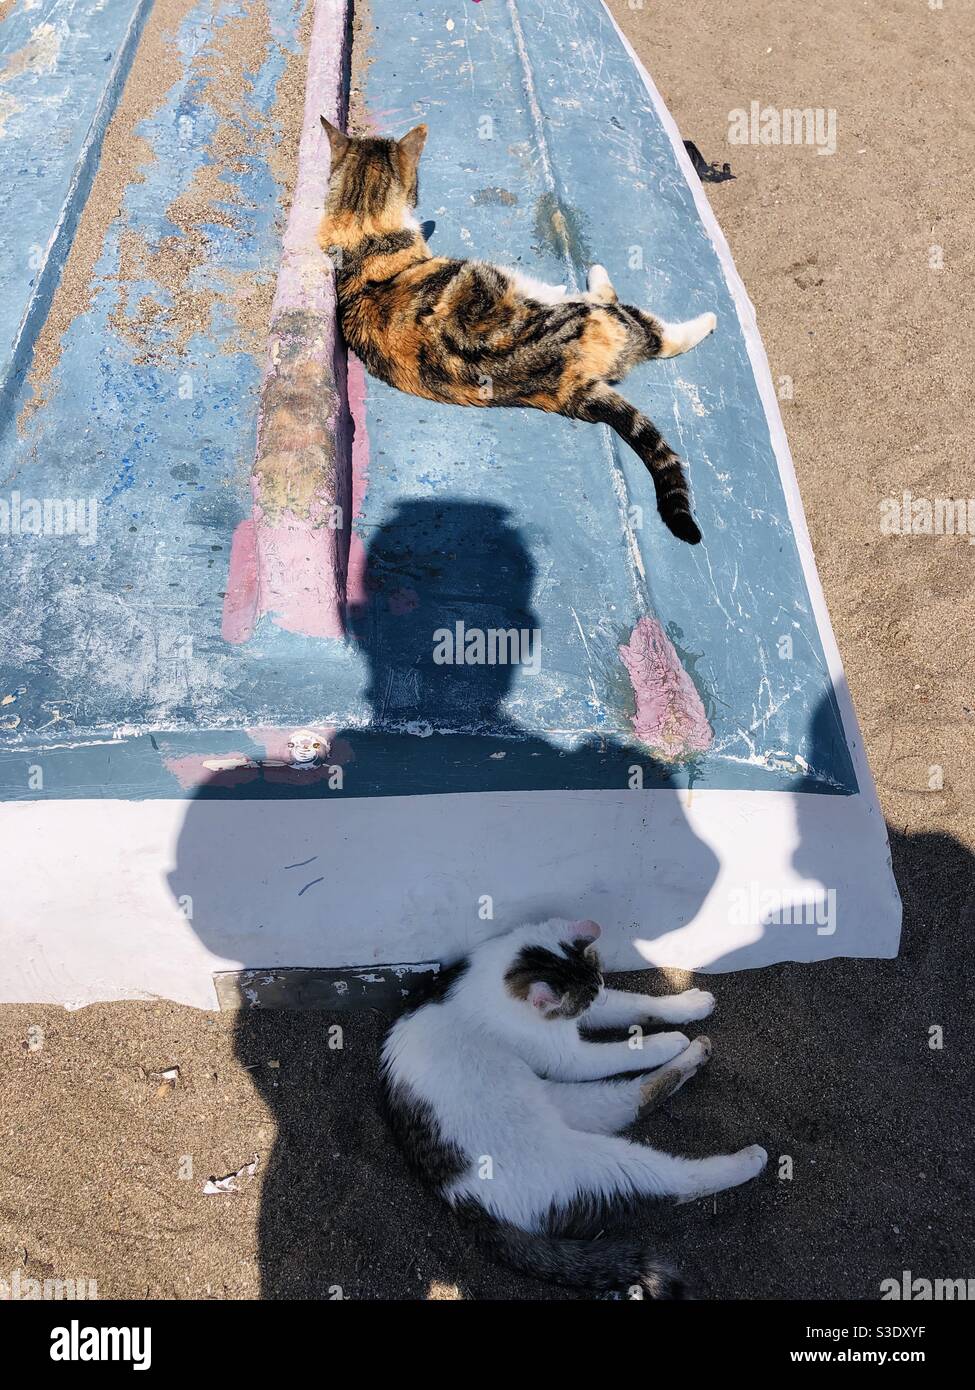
{"x": 408, "y": 151}
{"x": 542, "y": 996}
{"x": 340, "y": 143}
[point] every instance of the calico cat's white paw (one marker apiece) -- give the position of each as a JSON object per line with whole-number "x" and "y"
{"x": 681, "y": 337}
{"x": 599, "y": 284}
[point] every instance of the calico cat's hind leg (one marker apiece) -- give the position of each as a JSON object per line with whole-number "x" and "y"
{"x": 652, "y": 337}
{"x": 601, "y": 404}
{"x": 538, "y": 290}
{"x": 681, "y": 337}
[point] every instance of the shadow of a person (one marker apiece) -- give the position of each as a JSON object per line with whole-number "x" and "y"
{"x": 815, "y": 1061}
{"x": 335, "y": 1201}
{"x": 860, "y": 1087}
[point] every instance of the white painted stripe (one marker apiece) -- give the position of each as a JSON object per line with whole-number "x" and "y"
{"x": 149, "y": 898}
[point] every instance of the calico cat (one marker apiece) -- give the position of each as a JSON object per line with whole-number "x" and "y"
{"x": 504, "y": 1107}
{"x": 470, "y": 333}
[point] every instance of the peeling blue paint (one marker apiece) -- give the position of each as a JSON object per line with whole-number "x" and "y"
{"x": 62, "y": 69}
{"x": 494, "y": 517}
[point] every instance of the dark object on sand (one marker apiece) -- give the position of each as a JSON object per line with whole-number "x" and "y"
{"x": 707, "y": 173}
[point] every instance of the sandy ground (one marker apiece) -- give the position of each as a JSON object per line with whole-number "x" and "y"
{"x": 829, "y": 1066}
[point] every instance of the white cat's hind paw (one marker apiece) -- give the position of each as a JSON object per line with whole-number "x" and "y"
{"x": 694, "y": 1056}
{"x": 753, "y": 1160}
{"x": 723, "y": 1171}
{"x": 689, "y": 1062}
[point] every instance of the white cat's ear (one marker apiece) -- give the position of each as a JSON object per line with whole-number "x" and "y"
{"x": 339, "y": 143}
{"x": 586, "y": 931}
{"x": 542, "y": 996}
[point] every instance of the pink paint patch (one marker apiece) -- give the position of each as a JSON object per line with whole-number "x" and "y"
{"x": 298, "y": 585}
{"x": 240, "y": 602}
{"x": 235, "y": 769}
{"x": 355, "y": 583}
{"x": 669, "y": 717}
{"x": 403, "y": 601}
{"x": 221, "y": 770}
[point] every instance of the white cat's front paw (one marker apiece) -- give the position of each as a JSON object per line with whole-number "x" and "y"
{"x": 695, "y": 1004}
{"x": 661, "y": 1047}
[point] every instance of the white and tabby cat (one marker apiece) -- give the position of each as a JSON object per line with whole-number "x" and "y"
{"x": 501, "y": 1103}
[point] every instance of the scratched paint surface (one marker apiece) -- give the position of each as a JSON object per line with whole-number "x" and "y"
{"x": 544, "y": 152}
{"x": 150, "y": 415}
{"x": 55, "y": 60}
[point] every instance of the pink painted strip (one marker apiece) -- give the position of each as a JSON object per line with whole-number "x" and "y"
{"x": 356, "y": 579}
{"x": 240, "y": 603}
{"x": 669, "y": 716}
{"x": 235, "y": 769}
{"x": 289, "y": 560}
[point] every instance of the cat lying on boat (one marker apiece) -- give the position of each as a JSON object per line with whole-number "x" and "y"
{"x": 501, "y": 1104}
{"x": 470, "y": 333}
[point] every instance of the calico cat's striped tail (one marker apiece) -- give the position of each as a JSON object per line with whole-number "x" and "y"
{"x": 590, "y": 1264}
{"x": 608, "y": 407}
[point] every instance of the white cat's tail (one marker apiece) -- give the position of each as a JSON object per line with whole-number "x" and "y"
{"x": 620, "y": 1264}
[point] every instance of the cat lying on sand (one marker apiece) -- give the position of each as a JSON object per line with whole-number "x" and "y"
{"x": 471, "y": 333}
{"x": 506, "y": 1110}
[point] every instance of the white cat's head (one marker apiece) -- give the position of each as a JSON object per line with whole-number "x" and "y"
{"x": 555, "y": 968}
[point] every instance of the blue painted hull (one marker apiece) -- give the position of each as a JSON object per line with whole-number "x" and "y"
{"x": 116, "y": 646}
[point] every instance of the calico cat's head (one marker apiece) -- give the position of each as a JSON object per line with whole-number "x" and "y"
{"x": 371, "y": 179}
{"x": 556, "y": 969}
